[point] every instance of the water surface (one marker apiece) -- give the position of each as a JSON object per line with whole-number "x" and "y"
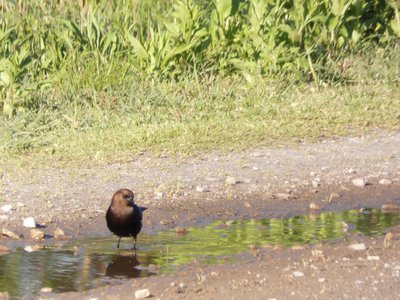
{"x": 92, "y": 262}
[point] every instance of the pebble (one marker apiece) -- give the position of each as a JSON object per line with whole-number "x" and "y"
{"x": 387, "y": 242}
{"x": 373, "y": 257}
{"x": 31, "y": 248}
{"x": 6, "y": 208}
{"x": 158, "y": 195}
{"x": 389, "y": 207}
{"x": 321, "y": 280}
{"x": 3, "y": 217}
{"x": 202, "y": 189}
{"x": 231, "y": 180}
{"x": 29, "y": 222}
{"x": 154, "y": 268}
{"x": 181, "y": 288}
{"x": 359, "y": 182}
{"x": 314, "y": 206}
{"x": 10, "y": 234}
{"x": 143, "y": 293}
{"x": 181, "y": 230}
{"x": 385, "y": 181}
{"x": 36, "y": 234}
{"x": 212, "y": 179}
{"x": 297, "y": 274}
{"x": 315, "y": 183}
{"x": 46, "y": 289}
{"x": 58, "y": 233}
{"x": 283, "y": 196}
{"x": 4, "y": 249}
{"x": 358, "y": 247}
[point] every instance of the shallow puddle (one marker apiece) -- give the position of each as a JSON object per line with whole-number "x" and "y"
{"x": 93, "y": 262}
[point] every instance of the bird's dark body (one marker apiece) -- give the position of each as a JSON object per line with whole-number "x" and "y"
{"x": 127, "y": 224}
{"x": 124, "y": 217}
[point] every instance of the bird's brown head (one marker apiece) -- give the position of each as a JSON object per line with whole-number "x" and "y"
{"x": 123, "y": 197}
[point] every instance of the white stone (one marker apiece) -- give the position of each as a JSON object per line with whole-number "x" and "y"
{"x": 231, "y": 180}
{"x": 358, "y": 247}
{"x": 373, "y": 257}
{"x": 6, "y": 208}
{"x": 141, "y": 294}
{"x": 28, "y": 249}
{"x": 29, "y": 222}
{"x": 385, "y": 181}
{"x": 201, "y": 189}
{"x": 297, "y": 274}
{"x": 359, "y": 182}
{"x": 315, "y": 183}
{"x": 46, "y": 290}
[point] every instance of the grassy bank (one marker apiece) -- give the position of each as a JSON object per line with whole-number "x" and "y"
{"x": 226, "y": 113}
{"x": 79, "y": 82}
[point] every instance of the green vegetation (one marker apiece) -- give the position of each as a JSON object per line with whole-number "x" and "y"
{"x": 105, "y": 79}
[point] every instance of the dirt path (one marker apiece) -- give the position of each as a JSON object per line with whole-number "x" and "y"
{"x": 258, "y": 183}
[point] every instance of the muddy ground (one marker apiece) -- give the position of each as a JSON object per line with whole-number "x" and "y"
{"x": 258, "y": 183}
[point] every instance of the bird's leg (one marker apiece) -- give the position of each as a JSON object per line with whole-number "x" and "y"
{"x": 134, "y": 243}
{"x": 118, "y": 242}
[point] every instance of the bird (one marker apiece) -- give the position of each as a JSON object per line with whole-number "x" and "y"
{"x": 123, "y": 216}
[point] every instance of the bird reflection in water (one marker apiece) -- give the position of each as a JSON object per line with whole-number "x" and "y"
{"x": 128, "y": 266}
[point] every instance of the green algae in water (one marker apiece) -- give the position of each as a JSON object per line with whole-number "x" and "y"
{"x": 98, "y": 262}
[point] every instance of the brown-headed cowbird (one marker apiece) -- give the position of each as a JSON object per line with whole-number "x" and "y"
{"x": 124, "y": 217}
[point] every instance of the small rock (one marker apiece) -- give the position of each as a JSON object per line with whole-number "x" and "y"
{"x": 202, "y": 189}
{"x": 6, "y": 208}
{"x": 231, "y": 180}
{"x": 173, "y": 283}
{"x": 58, "y": 233}
{"x": 154, "y": 268}
{"x": 143, "y": 293}
{"x": 359, "y": 182}
{"x": 3, "y": 218}
{"x": 46, "y": 289}
{"x": 4, "y": 249}
{"x": 181, "y": 230}
{"x": 29, "y": 222}
{"x": 212, "y": 179}
{"x": 314, "y": 206}
{"x": 321, "y": 280}
{"x": 283, "y": 196}
{"x": 387, "y": 242}
{"x": 385, "y": 181}
{"x": 350, "y": 171}
{"x": 158, "y": 195}
{"x": 10, "y": 234}
{"x": 214, "y": 274}
{"x": 345, "y": 226}
{"x": 37, "y": 234}
{"x": 315, "y": 183}
{"x": 390, "y": 208}
{"x": 31, "y": 248}
{"x": 181, "y": 288}
{"x": 297, "y": 274}
{"x": 358, "y": 247}
{"x": 373, "y": 257}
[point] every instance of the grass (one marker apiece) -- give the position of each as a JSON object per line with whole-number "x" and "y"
{"x": 79, "y": 84}
{"x": 190, "y": 116}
